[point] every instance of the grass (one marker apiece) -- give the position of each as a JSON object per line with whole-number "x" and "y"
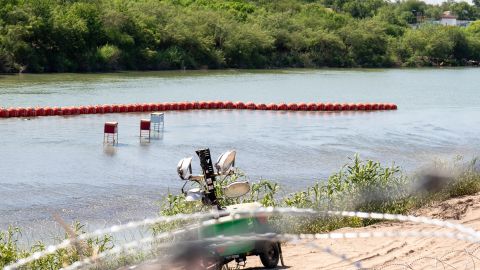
{"x": 360, "y": 185}
{"x": 10, "y": 250}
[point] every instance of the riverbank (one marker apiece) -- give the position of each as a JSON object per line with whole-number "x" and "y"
{"x": 360, "y": 185}
{"x": 394, "y": 252}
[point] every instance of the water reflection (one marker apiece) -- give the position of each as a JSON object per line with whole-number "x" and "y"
{"x": 109, "y": 150}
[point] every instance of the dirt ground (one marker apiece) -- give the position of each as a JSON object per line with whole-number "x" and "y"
{"x": 393, "y": 253}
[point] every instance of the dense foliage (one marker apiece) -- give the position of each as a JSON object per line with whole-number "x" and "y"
{"x": 102, "y": 35}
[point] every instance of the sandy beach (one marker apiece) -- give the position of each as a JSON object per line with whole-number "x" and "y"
{"x": 394, "y": 253}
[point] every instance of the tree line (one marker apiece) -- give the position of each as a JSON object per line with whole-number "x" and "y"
{"x": 105, "y": 35}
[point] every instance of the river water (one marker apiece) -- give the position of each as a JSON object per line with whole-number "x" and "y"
{"x": 59, "y": 164}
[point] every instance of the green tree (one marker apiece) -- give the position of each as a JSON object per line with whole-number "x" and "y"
{"x": 367, "y": 43}
{"x": 101, "y": 35}
{"x": 463, "y": 10}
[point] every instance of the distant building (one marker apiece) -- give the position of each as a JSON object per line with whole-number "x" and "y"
{"x": 448, "y": 19}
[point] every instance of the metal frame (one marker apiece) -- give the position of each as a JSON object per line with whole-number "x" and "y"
{"x": 155, "y": 126}
{"x": 109, "y": 137}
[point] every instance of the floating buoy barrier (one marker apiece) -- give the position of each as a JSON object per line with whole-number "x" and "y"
{"x": 196, "y": 105}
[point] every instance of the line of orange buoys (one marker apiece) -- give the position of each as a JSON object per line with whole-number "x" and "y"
{"x": 201, "y": 105}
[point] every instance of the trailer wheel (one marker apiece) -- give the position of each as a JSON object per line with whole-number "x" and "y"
{"x": 270, "y": 254}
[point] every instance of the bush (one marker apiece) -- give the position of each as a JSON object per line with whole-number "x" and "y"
{"x": 75, "y": 36}
{"x": 109, "y": 56}
{"x": 359, "y": 185}
{"x": 11, "y": 252}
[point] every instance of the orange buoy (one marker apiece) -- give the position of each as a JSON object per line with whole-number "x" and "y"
{"x": 283, "y": 106}
{"x": 292, "y": 106}
{"x": 138, "y": 107}
{"x": 388, "y": 107}
{"x": 146, "y": 107}
{"x": 107, "y": 108}
{"x": 161, "y": 106}
{"x": 182, "y": 106}
{"x": 22, "y": 112}
{"x": 12, "y": 112}
{"x": 167, "y": 106}
{"x": 360, "y": 106}
{"x": 368, "y": 107}
{"x": 174, "y": 106}
{"x": 329, "y": 107}
{"x": 3, "y": 113}
{"x": 82, "y": 110}
{"x": 240, "y": 105}
{"x": 337, "y": 107}
{"x": 39, "y": 111}
{"x": 115, "y": 108}
{"x": 261, "y": 106}
{"x": 220, "y": 105}
{"x": 352, "y": 107}
{"x": 345, "y": 107}
{"x": 381, "y": 106}
{"x": 99, "y": 109}
{"x": 153, "y": 107}
{"x": 200, "y": 105}
{"x": 122, "y": 108}
{"x": 302, "y": 107}
{"x": 250, "y": 106}
{"x": 321, "y": 107}
{"x": 31, "y": 112}
{"x": 132, "y": 107}
{"x": 92, "y": 110}
{"x": 57, "y": 111}
{"x": 374, "y": 107}
{"x": 312, "y": 106}
{"x": 203, "y": 105}
{"x": 394, "y": 106}
{"x": 75, "y": 110}
{"x": 48, "y": 111}
{"x": 189, "y": 105}
{"x": 66, "y": 111}
{"x": 229, "y": 105}
{"x": 212, "y": 105}
{"x": 272, "y": 107}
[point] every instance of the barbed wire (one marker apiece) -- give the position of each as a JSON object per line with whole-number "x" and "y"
{"x": 291, "y": 238}
{"x": 472, "y": 235}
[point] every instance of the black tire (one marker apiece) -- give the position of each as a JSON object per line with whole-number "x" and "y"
{"x": 270, "y": 254}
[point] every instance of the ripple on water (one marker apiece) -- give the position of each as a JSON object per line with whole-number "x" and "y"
{"x": 60, "y": 163}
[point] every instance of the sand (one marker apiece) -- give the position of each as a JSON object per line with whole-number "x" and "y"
{"x": 394, "y": 253}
